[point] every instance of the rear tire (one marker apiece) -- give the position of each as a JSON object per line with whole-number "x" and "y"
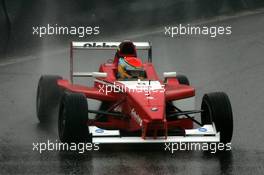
{"x": 73, "y": 117}
{"x": 183, "y": 79}
{"x": 48, "y": 97}
{"x": 217, "y": 108}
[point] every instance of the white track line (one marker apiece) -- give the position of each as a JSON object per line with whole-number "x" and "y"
{"x": 15, "y": 61}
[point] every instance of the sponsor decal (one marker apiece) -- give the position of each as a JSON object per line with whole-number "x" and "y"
{"x": 100, "y": 45}
{"x": 202, "y": 129}
{"x": 136, "y": 116}
{"x": 99, "y": 130}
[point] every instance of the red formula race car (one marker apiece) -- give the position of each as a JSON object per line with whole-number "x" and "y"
{"x": 141, "y": 109}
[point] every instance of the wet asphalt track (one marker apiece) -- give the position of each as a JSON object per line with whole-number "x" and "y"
{"x": 234, "y": 64}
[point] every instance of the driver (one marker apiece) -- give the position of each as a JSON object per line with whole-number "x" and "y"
{"x": 129, "y": 67}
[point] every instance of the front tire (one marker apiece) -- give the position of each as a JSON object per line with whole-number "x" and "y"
{"x": 48, "y": 97}
{"x": 73, "y": 117}
{"x": 216, "y": 108}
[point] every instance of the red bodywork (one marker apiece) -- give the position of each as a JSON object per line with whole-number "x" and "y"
{"x": 145, "y": 112}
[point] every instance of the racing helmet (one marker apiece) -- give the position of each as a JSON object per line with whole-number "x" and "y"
{"x": 132, "y": 63}
{"x": 125, "y": 49}
{"x": 133, "y": 66}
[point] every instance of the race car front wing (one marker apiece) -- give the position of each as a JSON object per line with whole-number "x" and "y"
{"x": 204, "y": 134}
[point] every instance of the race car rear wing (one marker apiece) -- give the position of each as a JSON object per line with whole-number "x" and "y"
{"x": 103, "y": 46}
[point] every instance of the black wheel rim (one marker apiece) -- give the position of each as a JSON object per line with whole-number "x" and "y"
{"x": 206, "y": 116}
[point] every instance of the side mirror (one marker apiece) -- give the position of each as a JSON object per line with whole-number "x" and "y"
{"x": 99, "y": 74}
{"x": 169, "y": 74}
{"x": 90, "y": 74}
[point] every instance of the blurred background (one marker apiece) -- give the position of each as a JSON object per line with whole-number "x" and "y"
{"x": 17, "y": 17}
